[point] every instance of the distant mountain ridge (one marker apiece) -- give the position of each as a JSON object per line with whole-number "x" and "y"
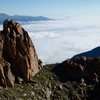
{"x": 92, "y": 53}
{"x": 22, "y": 19}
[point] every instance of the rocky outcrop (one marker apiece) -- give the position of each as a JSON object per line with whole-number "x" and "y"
{"x": 18, "y": 57}
{"x": 87, "y": 69}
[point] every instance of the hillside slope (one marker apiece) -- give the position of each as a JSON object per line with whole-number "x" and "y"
{"x": 47, "y": 86}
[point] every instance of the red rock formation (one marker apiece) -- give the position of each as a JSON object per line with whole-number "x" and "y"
{"x": 18, "y": 57}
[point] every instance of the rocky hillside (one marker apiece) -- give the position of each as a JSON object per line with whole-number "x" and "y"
{"x": 47, "y": 85}
{"x": 81, "y": 68}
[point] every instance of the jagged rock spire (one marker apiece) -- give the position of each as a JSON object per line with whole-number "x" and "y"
{"x": 18, "y": 57}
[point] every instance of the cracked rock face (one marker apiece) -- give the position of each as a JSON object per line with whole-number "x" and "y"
{"x": 18, "y": 57}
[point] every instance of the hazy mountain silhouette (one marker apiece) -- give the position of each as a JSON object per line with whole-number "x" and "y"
{"x": 92, "y": 53}
{"x": 4, "y": 16}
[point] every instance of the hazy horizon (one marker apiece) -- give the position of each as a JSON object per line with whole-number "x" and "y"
{"x": 51, "y": 8}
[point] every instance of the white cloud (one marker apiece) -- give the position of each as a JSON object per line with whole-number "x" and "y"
{"x": 58, "y": 40}
{"x": 1, "y": 27}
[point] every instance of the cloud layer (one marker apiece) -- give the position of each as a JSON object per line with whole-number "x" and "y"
{"x": 58, "y": 40}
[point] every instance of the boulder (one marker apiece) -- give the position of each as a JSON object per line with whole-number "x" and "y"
{"x": 8, "y": 75}
{"x": 18, "y": 57}
{"x": 72, "y": 69}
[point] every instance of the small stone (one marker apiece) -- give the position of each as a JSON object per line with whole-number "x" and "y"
{"x": 24, "y": 94}
{"x": 19, "y": 80}
{"x": 48, "y": 93}
{"x": 61, "y": 87}
{"x": 32, "y": 93}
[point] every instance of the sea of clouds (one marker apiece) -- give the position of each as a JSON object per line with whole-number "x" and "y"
{"x": 58, "y": 40}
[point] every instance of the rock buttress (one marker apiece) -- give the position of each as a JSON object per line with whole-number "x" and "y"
{"x": 18, "y": 57}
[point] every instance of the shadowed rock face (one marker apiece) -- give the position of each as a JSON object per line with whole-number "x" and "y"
{"x": 79, "y": 68}
{"x": 18, "y": 58}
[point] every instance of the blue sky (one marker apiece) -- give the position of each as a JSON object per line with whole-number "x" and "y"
{"x": 51, "y": 8}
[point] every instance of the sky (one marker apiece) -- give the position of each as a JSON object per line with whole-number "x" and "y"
{"x": 51, "y": 8}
